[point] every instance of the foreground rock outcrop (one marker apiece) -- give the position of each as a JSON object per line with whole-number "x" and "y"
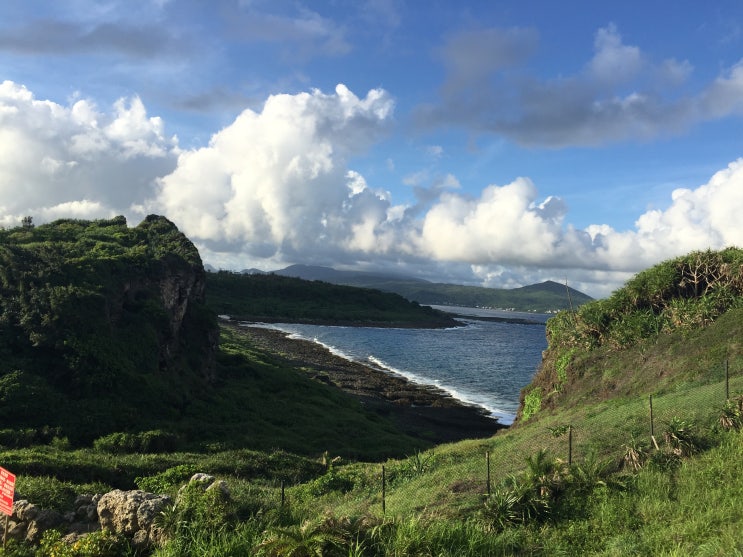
{"x": 134, "y": 514}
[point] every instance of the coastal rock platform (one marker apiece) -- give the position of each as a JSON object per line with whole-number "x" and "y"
{"x": 422, "y": 411}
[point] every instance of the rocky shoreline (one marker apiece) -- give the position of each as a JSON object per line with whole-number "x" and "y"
{"x": 421, "y": 411}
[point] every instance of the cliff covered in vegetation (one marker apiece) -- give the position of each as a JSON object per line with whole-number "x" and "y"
{"x": 621, "y": 344}
{"x": 95, "y": 312}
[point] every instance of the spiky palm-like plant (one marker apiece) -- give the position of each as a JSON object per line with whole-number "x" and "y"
{"x": 502, "y": 509}
{"x": 545, "y": 473}
{"x": 635, "y": 454}
{"x": 680, "y": 437}
{"x": 309, "y": 539}
{"x": 731, "y": 416}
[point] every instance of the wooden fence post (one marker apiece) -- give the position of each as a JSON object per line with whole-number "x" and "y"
{"x": 384, "y": 489}
{"x": 652, "y": 426}
{"x": 487, "y": 460}
{"x": 570, "y": 445}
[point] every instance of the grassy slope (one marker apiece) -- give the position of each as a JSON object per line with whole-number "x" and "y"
{"x": 262, "y": 404}
{"x": 694, "y": 510}
{"x": 658, "y": 514}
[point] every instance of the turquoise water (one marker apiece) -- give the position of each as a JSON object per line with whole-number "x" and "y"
{"x": 483, "y": 362}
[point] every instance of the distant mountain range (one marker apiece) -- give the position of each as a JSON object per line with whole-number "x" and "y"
{"x": 544, "y": 297}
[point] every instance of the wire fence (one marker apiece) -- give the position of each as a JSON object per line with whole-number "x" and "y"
{"x": 611, "y": 431}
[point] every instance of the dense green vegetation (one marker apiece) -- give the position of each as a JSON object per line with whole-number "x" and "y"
{"x": 277, "y": 298}
{"x": 578, "y": 474}
{"x": 659, "y": 308}
{"x": 85, "y": 321}
{"x": 619, "y": 496}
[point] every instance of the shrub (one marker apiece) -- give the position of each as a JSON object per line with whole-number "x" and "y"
{"x": 209, "y": 511}
{"x": 681, "y": 437}
{"x": 96, "y": 544}
{"x": 167, "y": 481}
{"x": 13, "y": 548}
{"x": 731, "y": 415}
{"x": 532, "y": 403}
{"x": 47, "y": 492}
{"x": 561, "y": 367}
{"x": 636, "y": 454}
{"x": 155, "y": 441}
{"x": 332, "y": 480}
{"x": 116, "y": 443}
{"x": 24, "y": 438}
{"x": 308, "y": 538}
{"x": 502, "y": 509}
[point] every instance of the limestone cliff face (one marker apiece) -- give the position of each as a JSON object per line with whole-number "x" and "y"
{"x": 179, "y": 291}
{"x": 177, "y": 275}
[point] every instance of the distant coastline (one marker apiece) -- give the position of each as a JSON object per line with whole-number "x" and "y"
{"x": 494, "y": 315}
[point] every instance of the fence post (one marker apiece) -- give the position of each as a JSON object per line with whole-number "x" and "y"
{"x": 727, "y": 379}
{"x": 652, "y": 430}
{"x": 384, "y": 489}
{"x": 570, "y": 445}
{"x": 487, "y": 460}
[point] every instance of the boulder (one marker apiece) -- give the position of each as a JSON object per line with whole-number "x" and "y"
{"x": 133, "y": 514}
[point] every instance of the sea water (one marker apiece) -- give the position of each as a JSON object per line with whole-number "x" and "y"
{"x": 483, "y": 362}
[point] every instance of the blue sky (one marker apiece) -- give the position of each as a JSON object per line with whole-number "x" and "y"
{"x": 485, "y": 142}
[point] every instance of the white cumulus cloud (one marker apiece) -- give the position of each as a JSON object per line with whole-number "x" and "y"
{"x": 58, "y": 160}
{"x": 276, "y": 183}
{"x": 505, "y": 224}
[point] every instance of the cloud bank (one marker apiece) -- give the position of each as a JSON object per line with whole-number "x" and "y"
{"x": 618, "y": 94}
{"x": 277, "y": 186}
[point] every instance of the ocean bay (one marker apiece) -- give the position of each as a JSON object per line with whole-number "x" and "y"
{"x": 484, "y": 362}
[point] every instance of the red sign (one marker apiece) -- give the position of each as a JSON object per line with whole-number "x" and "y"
{"x": 7, "y": 490}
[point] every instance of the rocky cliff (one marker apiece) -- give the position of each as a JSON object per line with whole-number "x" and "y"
{"x": 95, "y": 311}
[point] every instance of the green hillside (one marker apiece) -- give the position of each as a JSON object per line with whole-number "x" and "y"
{"x": 272, "y": 298}
{"x": 546, "y": 297}
{"x": 660, "y": 307}
{"x": 106, "y": 337}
